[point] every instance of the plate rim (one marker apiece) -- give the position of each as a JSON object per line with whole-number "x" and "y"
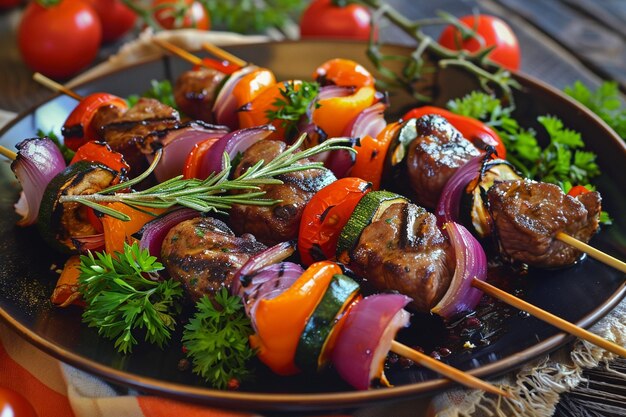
{"x": 324, "y": 400}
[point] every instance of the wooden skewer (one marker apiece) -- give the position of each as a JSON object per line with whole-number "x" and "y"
{"x": 446, "y": 370}
{"x": 591, "y": 251}
{"x": 8, "y": 153}
{"x": 53, "y": 85}
{"x": 550, "y": 318}
{"x": 222, "y": 54}
{"x": 180, "y": 52}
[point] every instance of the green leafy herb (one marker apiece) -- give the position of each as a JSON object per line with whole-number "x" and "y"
{"x": 292, "y": 105}
{"x": 159, "y": 90}
{"x": 246, "y": 16}
{"x": 561, "y": 161}
{"x": 216, "y": 339}
{"x": 604, "y": 101}
{"x": 123, "y": 301}
{"x": 67, "y": 153}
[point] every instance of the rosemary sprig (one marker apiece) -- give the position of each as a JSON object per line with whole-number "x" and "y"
{"x": 210, "y": 194}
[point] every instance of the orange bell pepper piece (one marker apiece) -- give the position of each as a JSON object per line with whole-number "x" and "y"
{"x": 116, "y": 232}
{"x": 343, "y": 72}
{"x": 251, "y": 85}
{"x": 281, "y": 320}
{"x": 371, "y": 154}
{"x": 334, "y": 114}
{"x": 66, "y": 290}
{"x": 254, "y": 113}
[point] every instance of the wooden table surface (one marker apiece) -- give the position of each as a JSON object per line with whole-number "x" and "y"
{"x": 561, "y": 41}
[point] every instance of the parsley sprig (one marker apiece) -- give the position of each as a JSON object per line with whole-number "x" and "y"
{"x": 216, "y": 339}
{"x": 562, "y": 161}
{"x": 604, "y": 101}
{"x": 122, "y": 301}
{"x": 159, "y": 90}
{"x": 293, "y": 103}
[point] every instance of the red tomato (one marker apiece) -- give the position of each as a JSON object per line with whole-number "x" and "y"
{"x": 61, "y": 39}
{"x": 14, "y": 404}
{"x": 116, "y": 18}
{"x": 325, "y": 216}
{"x": 322, "y": 19}
{"x": 178, "y": 14}
{"x": 494, "y": 31}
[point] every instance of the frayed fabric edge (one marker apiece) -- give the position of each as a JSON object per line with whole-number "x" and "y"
{"x": 536, "y": 389}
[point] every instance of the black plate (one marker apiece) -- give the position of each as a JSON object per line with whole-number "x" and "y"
{"x": 581, "y": 294}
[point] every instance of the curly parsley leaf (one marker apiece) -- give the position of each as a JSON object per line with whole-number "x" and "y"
{"x": 122, "y": 302}
{"x": 216, "y": 339}
{"x": 293, "y": 103}
{"x": 604, "y": 102}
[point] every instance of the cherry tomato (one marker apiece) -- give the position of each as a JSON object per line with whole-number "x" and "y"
{"x": 15, "y": 404}
{"x": 77, "y": 129}
{"x": 116, "y": 18}
{"x": 61, "y": 39}
{"x": 325, "y": 216}
{"x": 577, "y": 190}
{"x": 472, "y": 129}
{"x": 322, "y": 19}
{"x": 343, "y": 72}
{"x": 179, "y": 14}
{"x": 494, "y": 31}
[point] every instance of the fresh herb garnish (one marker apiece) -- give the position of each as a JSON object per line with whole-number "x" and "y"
{"x": 159, "y": 90}
{"x": 122, "y": 301}
{"x": 561, "y": 161}
{"x": 67, "y": 153}
{"x": 245, "y": 16}
{"x": 292, "y": 105}
{"x": 210, "y": 194}
{"x": 604, "y": 102}
{"x": 216, "y": 339}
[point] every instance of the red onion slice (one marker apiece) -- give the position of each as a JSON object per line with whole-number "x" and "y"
{"x": 269, "y": 256}
{"x": 366, "y": 336}
{"x": 268, "y": 283}
{"x": 471, "y": 262}
{"x": 448, "y": 206}
{"x": 89, "y": 243}
{"x": 341, "y": 161}
{"x": 371, "y": 121}
{"x": 225, "y": 106}
{"x": 232, "y": 143}
{"x": 177, "y": 144}
{"x": 38, "y": 161}
{"x": 152, "y": 234}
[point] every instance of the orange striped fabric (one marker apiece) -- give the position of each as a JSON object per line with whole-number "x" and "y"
{"x": 55, "y": 389}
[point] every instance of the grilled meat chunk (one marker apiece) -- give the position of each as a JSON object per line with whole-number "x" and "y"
{"x": 527, "y": 216}
{"x": 434, "y": 156}
{"x": 195, "y": 92}
{"x": 204, "y": 254}
{"x": 280, "y": 222}
{"x": 125, "y": 131}
{"x": 404, "y": 250}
